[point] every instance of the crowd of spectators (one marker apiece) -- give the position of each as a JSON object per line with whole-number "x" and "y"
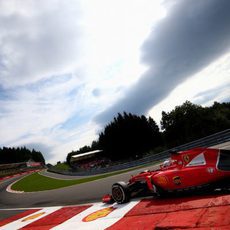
{"x": 92, "y": 164}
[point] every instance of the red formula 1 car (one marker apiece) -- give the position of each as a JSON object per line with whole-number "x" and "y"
{"x": 184, "y": 171}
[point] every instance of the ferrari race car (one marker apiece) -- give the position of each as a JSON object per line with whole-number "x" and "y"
{"x": 185, "y": 171}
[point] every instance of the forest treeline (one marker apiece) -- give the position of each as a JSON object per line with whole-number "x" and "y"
{"x": 17, "y": 155}
{"x": 130, "y": 136}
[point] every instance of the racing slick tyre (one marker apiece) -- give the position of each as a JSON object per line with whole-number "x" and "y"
{"x": 120, "y": 192}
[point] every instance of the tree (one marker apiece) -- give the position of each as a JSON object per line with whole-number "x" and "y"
{"x": 129, "y": 135}
{"x": 37, "y": 156}
{"x": 16, "y": 155}
{"x": 189, "y": 122}
{"x": 219, "y": 116}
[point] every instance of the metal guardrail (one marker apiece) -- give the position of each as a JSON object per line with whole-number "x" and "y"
{"x": 211, "y": 140}
{"x": 214, "y": 139}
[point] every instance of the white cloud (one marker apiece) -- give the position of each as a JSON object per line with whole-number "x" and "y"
{"x": 189, "y": 38}
{"x": 38, "y": 39}
{"x": 214, "y": 76}
{"x": 81, "y": 136}
{"x": 52, "y": 114}
{"x": 31, "y": 110}
{"x": 115, "y": 31}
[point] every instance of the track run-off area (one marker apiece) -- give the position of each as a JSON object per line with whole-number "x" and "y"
{"x": 79, "y": 207}
{"x": 198, "y": 212}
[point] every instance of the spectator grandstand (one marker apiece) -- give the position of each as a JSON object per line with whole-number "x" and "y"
{"x": 89, "y": 160}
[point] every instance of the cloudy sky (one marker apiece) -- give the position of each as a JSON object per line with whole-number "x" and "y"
{"x": 68, "y": 67}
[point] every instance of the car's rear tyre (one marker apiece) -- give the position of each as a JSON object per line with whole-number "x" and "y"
{"x": 120, "y": 192}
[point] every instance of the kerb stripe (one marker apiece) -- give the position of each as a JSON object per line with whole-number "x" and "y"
{"x": 56, "y": 218}
{"x": 18, "y": 216}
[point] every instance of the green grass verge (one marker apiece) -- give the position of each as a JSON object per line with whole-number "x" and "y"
{"x": 36, "y": 182}
{"x": 62, "y": 166}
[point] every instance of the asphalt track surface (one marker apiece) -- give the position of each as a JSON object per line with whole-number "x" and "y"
{"x": 76, "y": 194}
{"x": 11, "y": 203}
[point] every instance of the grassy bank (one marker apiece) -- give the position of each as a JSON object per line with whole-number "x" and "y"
{"x": 36, "y": 182}
{"x": 62, "y": 166}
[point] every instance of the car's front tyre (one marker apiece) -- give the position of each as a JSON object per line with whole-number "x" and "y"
{"x": 120, "y": 192}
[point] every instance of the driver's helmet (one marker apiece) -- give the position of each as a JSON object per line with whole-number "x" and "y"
{"x": 168, "y": 163}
